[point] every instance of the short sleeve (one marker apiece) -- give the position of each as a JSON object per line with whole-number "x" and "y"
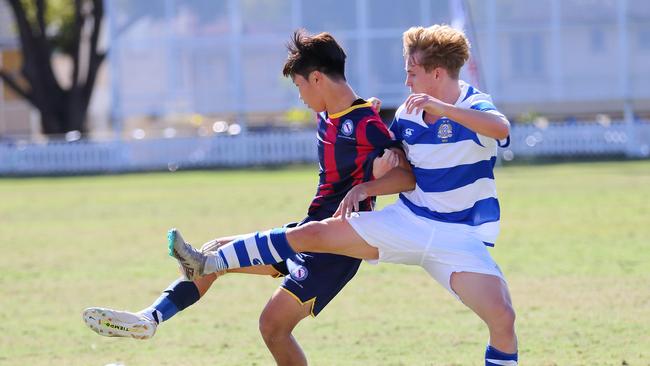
{"x": 378, "y": 135}
{"x": 488, "y": 107}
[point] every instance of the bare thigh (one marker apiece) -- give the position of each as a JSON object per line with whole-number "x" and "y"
{"x": 334, "y": 235}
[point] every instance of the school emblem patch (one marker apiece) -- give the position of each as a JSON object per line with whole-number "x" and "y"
{"x": 347, "y": 128}
{"x": 299, "y": 273}
{"x": 445, "y": 131}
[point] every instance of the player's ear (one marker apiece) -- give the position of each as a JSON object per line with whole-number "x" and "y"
{"x": 315, "y": 76}
{"x": 436, "y": 73}
{"x": 440, "y": 72}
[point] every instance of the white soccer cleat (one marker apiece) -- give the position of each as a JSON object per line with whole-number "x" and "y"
{"x": 115, "y": 323}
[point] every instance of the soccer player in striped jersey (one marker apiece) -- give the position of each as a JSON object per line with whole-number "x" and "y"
{"x": 444, "y": 222}
{"x": 350, "y": 138}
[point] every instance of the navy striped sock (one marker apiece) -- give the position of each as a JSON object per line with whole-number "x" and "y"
{"x": 267, "y": 247}
{"x": 494, "y": 357}
{"x": 178, "y": 296}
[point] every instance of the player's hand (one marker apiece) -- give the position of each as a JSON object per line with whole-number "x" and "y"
{"x": 376, "y": 103}
{"x": 351, "y": 201}
{"x": 415, "y": 103}
{"x": 211, "y": 246}
{"x": 383, "y": 164}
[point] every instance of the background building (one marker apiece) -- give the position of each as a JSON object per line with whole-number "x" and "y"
{"x": 564, "y": 59}
{"x": 182, "y": 74}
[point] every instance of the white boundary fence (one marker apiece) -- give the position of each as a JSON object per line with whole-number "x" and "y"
{"x": 157, "y": 154}
{"x": 580, "y": 139}
{"x": 275, "y": 148}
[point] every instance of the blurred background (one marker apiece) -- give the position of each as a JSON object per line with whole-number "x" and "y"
{"x": 116, "y": 85}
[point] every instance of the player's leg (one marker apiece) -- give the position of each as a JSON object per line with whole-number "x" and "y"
{"x": 334, "y": 236}
{"x": 178, "y": 296}
{"x": 488, "y": 296}
{"x": 462, "y": 264}
{"x": 280, "y": 316}
{"x": 312, "y": 280}
{"x": 329, "y": 236}
{"x": 203, "y": 283}
{"x": 183, "y": 293}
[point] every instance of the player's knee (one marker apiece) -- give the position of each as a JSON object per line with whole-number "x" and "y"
{"x": 271, "y": 327}
{"x": 503, "y": 318}
{"x": 307, "y": 237}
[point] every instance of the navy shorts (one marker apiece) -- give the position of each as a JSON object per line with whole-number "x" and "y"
{"x": 316, "y": 277}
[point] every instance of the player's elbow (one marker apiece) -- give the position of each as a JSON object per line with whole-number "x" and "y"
{"x": 502, "y": 130}
{"x": 409, "y": 183}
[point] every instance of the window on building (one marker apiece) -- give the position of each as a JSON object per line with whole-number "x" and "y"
{"x": 527, "y": 55}
{"x": 597, "y": 40}
{"x": 643, "y": 39}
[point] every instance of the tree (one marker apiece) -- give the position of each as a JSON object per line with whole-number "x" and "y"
{"x": 71, "y": 27}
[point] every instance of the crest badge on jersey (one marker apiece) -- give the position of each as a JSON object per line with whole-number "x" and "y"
{"x": 445, "y": 131}
{"x": 347, "y": 128}
{"x": 299, "y": 273}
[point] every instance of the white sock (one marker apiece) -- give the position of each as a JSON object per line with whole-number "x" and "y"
{"x": 149, "y": 314}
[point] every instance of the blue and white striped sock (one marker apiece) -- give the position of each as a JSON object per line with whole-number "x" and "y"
{"x": 267, "y": 247}
{"x": 494, "y": 357}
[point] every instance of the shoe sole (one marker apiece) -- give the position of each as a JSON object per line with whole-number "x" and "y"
{"x": 171, "y": 238}
{"x": 105, "y": 323}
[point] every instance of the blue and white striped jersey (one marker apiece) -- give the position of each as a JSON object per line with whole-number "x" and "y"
{"x": 453, "y": 168}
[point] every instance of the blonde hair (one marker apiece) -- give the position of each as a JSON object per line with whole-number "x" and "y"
{"x": 437, "y": 46}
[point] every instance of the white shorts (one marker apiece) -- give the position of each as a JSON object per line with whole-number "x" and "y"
{"x": 441, "y": 249}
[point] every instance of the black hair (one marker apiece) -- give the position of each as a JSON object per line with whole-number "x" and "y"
{"x": 309, "y": 53}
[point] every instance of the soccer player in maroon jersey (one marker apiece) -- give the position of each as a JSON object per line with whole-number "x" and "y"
{"x": 350, "y": 138}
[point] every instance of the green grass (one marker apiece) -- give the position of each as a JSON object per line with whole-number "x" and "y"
{"x": 574, "y": 247}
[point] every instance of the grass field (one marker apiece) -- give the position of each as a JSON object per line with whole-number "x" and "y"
{"x": 575, "y": 247}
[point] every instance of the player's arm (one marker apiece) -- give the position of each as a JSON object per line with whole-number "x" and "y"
{"x": 397, "y": 179}
{"x": 485, "y": 123}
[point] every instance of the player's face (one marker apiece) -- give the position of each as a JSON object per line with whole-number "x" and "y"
{"x": 417, "y": 78}
{"x": 308, "y": 90}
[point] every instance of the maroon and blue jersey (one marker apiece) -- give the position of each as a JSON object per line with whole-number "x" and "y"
{"x": 348, "y": 142}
